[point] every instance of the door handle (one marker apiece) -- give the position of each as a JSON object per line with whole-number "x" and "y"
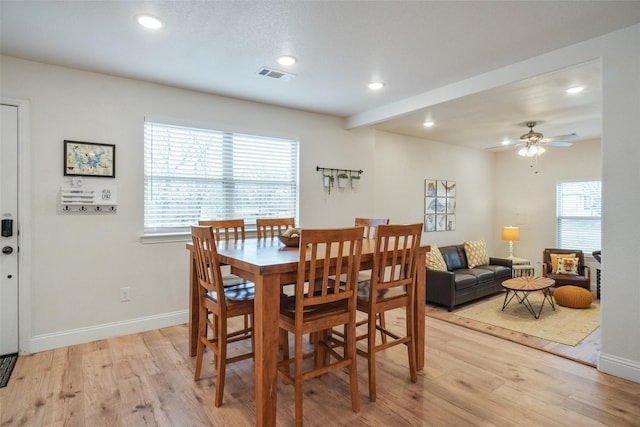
{"x": 7, "y": 250}
{"x": 7, "y": 227}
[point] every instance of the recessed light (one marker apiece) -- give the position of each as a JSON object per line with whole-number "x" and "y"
{"x": 149, "y": 21}
{"x": 428, "y": 124}
{"x": 506, "y": 142}
{"x": 376, "y": 85}
{"x": 287, "y": 60}
{"x": 576, "y": 89}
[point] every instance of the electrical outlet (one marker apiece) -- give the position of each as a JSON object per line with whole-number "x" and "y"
{"x": 124, "y": 294}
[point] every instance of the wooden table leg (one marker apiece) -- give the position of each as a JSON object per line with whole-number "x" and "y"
{"x": 193, "y": 304}
{"x": 267, "y": 313}
{"x": 421, "y": 285}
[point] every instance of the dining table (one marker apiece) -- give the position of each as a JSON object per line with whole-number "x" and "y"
{"x": 270, "y": 265}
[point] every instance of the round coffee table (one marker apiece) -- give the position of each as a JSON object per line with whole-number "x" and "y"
{"x": 523, "y": 286}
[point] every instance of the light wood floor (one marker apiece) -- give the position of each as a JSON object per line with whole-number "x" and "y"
{"x": 470, "y": 379}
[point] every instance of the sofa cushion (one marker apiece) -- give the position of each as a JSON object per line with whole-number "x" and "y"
{"x": 567, "y": 266}
{"x": 569, "y": 279}
{"x": 435, "y": 260}
{"x": 454, "y": 257}
{"x": 500, "y": 271}
{"x": 482, "y": 275}
{"x": 476, "y": 253}
{"x": 464, "y": 280}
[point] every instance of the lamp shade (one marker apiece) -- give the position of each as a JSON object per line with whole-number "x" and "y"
{"x": 510, "y": 233}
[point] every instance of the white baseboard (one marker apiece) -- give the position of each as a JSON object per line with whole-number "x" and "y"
{"x": 98, "y": 332}
{"x": 623, "y": 368}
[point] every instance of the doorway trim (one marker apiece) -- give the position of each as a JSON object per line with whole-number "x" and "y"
{"x": 24, "y": 223}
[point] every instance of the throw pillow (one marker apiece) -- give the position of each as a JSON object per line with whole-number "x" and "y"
{"x": 435, "y": 261}
{"x": 567, "y": 266}
{"x": 476, "y": 253}
{"x": 554, "y": 260}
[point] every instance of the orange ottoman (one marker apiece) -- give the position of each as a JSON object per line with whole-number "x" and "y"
{"x": 573, "y": 297}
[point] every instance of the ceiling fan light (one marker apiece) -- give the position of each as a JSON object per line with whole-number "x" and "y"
{"x": 523, "y": 151}
{"x": 540, "y": 150}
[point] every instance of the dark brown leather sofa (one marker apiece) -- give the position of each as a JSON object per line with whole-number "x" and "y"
{"x": 462, "y": 284}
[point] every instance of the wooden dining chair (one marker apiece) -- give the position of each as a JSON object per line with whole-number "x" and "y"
{"x": 228, "y": 229}
{"x": 315, "y": 309}
{"x": 217, "y": 304}
{"x": 225, "y": 229}
{"x": 393, "y": 281}
{"x": 370, "y": 225}
{"x": 271, "y": 227}
{"x": 364, "y": 277}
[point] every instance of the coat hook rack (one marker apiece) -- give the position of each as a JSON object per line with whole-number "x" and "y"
{"x": 332, "y": 170}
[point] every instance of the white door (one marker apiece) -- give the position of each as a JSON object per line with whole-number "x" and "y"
{"x": 9, "y": 233}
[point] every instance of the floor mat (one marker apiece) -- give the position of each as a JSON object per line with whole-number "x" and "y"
{"x": 6, "y": 367}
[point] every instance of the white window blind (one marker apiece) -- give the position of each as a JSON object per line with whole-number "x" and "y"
{"x": 579, "y": 210}
{"x": 192, "y": 174}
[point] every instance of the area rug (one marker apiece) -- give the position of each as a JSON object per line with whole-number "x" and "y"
{"x": 565, "y": 325}
{"x": 6, "y": 367}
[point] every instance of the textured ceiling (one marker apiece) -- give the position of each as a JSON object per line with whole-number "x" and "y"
{"x": 414, "y": 47}
{"x": 488, "y": 118}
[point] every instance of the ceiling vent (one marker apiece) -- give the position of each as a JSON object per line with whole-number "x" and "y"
{"x": 275, "y": 74}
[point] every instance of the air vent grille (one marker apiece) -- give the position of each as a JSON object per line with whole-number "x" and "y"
{"x": 275, "y": 74}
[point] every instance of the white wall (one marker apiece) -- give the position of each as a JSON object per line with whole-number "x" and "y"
{"x": 620, "y": 353}
{"x": 528, "y": 200}
{"x": 402, "y": 165}
{"x": 78, "y": 261}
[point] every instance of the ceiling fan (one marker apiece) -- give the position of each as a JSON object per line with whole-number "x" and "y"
{"x": 532, "y": 143}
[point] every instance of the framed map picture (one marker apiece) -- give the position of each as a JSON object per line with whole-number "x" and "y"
{"x": 89, "y": 159}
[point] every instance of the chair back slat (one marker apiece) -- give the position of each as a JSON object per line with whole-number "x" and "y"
{"x": 272, "y": 227}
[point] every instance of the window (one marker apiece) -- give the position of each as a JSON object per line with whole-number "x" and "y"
{"x": 579, "y": 210}
{"x": 192, "y": 174}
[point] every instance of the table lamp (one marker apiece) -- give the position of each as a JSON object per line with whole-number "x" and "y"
{"x": 510, "y": 234}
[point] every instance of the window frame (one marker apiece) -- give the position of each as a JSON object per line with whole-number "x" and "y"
{"x": 565, "y": 221}
{"x": 233, "y": 186}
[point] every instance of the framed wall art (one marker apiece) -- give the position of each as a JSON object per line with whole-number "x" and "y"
{"x": 89, "y": 159}
{"x": 439, "y": 205}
